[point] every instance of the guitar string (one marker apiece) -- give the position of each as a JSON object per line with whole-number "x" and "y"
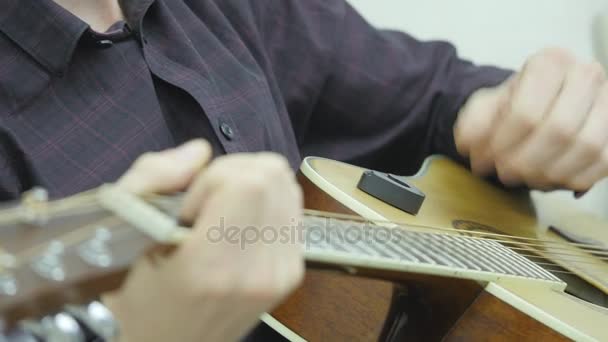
{"x": 75, "y": 237}
{"x": 75, "y": 203}
{"x": 513, "y": 245}
{"x": 120, "y": 231}
{"x": 548, "y": 258}
{"x": 598, "y": 249}
{"x": 534, "y": 254}
{"x": 581, "y": 260}
{"x": 68, "y": 205}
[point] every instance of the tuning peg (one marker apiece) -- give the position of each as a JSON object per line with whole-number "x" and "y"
{"x": 97, "y": 318}
{"x": 34, "y": 206}
{"x": 8, "y": 283}
{"x": 96, "y": 251}
{"x": 63, "y": 328}
{"x": 58, "y": 328}
{"x": 50, "y": 264}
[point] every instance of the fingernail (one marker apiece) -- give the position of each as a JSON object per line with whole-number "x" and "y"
{"x": 579, "y": 194}
{"x": 193, "y": 150}
{"x": 508, "y": 179}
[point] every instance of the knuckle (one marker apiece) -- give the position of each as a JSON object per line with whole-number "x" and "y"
{"x": 516, "y": 167}
{"x": 590, "y": 73}
{"x": 553, "y": 177}
{"x": 555, "y": 56}
{"x": 146, "y": 160}
{"x": 507, "y": 166}
{"x": 590, "y": 147}
{"x": 561, "y": 133}
{"x": 524, "y": 117}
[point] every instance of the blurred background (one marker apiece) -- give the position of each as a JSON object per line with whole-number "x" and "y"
{"x": 504, "y": 33}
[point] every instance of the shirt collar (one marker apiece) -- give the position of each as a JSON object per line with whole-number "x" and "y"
{"x": 49, "y": 33}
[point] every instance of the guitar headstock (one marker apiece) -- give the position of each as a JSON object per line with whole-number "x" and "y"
{"x": 68, "y": 251}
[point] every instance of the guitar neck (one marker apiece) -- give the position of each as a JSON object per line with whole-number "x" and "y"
{"x": 56, "y": 264}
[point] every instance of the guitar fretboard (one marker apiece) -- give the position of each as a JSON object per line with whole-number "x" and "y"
{"x": 469, "y": 257}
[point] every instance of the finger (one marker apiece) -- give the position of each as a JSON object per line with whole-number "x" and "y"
{"x": 558, "y": 130}
{"x": 482, "y": 161}
{"x": 475, "y": 121}
{"x": 589, "y": 144}
{"x": 206, "y": 183}
{"x": 507, "y": 174}
{"x": 533, "y": 95}
{"x": 166, "y": 171}
{"x": 227, "y": 170}
{"x": 586, "y": 179}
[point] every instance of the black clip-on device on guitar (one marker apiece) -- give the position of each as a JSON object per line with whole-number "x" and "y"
{"x": 393, "y": 190}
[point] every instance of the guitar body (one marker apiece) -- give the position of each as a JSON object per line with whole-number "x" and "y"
{"x": 339, "y": 306}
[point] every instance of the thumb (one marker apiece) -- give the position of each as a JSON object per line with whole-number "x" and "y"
{"x": 167, "y": 171}
{"x": 477, "y": 118}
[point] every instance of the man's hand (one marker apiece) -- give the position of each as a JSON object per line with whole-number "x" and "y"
{"x": 546, "y": 127}
{"x": 213, "y": 288}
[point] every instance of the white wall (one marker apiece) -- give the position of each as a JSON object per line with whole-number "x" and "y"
{"x": 499, "y": 32}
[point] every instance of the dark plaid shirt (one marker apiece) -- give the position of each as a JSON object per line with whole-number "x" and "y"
{"x": 298, "y": 77}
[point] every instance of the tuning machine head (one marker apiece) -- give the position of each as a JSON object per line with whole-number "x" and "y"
{"x": 50, "y": 264}
{"x": 8, "y": 283}
{"x": 34, "y": 206}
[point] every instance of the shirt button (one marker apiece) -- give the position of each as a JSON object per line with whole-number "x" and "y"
{"x": 104, "y": 44}
{"x": 227, "y": 130}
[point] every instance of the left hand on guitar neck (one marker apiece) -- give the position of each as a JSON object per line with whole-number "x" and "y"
{"x": 545, "y": 127}
{"x": 213, "y": 287}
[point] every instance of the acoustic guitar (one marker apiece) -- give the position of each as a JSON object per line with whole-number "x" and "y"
{"x": 470, "y": 262}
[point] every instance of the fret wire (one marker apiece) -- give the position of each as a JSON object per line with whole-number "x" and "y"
{"x": 425, "y": 240}
{"x": 446, "y": 252}
{"x": 407, "y": 225}
{"x": 523, "y": 249}
{"x": 402, "y": 252}
{"x": 525, "y": 264}
{"x": 468, "y": 245}
{"x": 496, "y": 260}
{"x": 574, "y": 258}
{"x": 529, "y": 255}
{"x": 462, "y": 251}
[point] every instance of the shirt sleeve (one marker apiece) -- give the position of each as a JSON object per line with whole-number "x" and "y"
{"x": 371, "y": 97}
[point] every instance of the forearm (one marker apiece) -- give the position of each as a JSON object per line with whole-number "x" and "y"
{"x": 386, "y": 100}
